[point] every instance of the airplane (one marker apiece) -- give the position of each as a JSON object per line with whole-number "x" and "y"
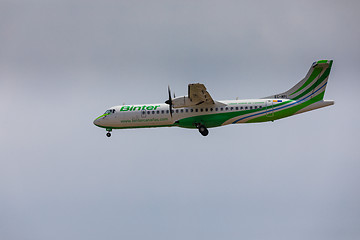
{"x": 198, "y": 110}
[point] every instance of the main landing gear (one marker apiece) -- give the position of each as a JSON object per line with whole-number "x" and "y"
{"x": 108, "y": 134}
{"x": 202, "y": 129}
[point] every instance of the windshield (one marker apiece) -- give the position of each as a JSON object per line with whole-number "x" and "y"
{"x": 109, "y": 111}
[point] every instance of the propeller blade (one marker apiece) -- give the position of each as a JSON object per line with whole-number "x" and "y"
{"x": 169, "y": 91}
{"x": 169, "y": 101}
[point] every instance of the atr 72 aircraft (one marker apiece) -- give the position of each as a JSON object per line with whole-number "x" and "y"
{"x": 200, "y": 111}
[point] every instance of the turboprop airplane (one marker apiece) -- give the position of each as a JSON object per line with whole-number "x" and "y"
{"x": 200, "y": 111}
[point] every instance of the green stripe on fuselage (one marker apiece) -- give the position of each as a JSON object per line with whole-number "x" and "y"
{"x": 150, "y": 126}
{"x": 217, "y": 119}
{"x": 288, "y": 111}
{"x": 105, "y": 114}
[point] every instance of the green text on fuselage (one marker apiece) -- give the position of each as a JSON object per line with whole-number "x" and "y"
{"x": 138, "y": 108}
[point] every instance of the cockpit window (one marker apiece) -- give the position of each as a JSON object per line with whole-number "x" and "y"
{"x": 109, "y": 111}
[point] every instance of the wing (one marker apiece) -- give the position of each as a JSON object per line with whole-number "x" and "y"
{"x": 198, "y": 94}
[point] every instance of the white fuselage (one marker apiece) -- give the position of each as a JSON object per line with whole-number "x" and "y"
{"x": 148, "y": 115}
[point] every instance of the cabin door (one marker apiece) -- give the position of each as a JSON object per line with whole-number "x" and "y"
{"x": 269, "y": 108}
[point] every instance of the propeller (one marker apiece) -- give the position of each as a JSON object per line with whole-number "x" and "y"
{"x": 169, "y": 101}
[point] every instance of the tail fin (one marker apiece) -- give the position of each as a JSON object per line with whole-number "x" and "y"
{"x": 312, "y": 85}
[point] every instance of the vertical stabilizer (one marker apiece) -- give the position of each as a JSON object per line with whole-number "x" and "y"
{"x": 312, "y": 85}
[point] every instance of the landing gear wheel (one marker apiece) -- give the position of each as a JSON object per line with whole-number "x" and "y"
{"x": 203, "y": 130}
{"x": 108, "y": 134}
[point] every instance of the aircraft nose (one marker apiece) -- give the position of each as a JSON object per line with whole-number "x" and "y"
{"x": 97, "y": 122}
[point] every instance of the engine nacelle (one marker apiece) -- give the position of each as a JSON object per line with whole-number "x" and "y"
{"x": 183, "y": 101}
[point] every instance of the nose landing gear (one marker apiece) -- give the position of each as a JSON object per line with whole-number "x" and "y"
{"x": 108, "y": 134}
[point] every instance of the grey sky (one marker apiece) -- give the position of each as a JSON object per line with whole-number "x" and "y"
{"x": 63, "y": 63}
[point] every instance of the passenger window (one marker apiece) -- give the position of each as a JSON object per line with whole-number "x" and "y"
{"x": 250, "y": 107}
{"x": 157, "y": 112}
{"x": 148, "y": 112}
{"x": 255, "y": 107}
{"x": 196, "y": 110}
{"x": 182, "y": 110}
{"x": 162, "y": 111}
{"x": 186, "y": 110}
{"x": 231, "y": 108}
{"x": 153, "y": 112}
{"x": 216, "y": 109}
{"x": 206, "y": 109}
{"x": 191, "y": 110}
{"x": 201, "y": 109}
{"x": 221, "y": 109}
{"x": 226, "y": 109}
{"x": 211, "y": 109}
{"x": 246, "y": 107}
{"x": 177, "y": 111}
{"x": 236, "y": 108}
{"x": 167, "y": 111}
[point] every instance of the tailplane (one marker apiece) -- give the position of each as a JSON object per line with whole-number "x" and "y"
{"x": 312, "y": 85}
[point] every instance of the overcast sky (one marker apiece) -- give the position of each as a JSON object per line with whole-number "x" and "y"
{"x": 63, "y": 63}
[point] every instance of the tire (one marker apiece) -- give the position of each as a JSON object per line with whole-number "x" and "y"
{"x": 203, "y": 130}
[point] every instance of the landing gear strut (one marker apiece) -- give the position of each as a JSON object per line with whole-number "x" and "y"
{"x": 108, "y": 134}
{"x": 202, "y": 129}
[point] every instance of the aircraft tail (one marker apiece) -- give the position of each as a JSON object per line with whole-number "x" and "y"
{"x": 313, "y": 85}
